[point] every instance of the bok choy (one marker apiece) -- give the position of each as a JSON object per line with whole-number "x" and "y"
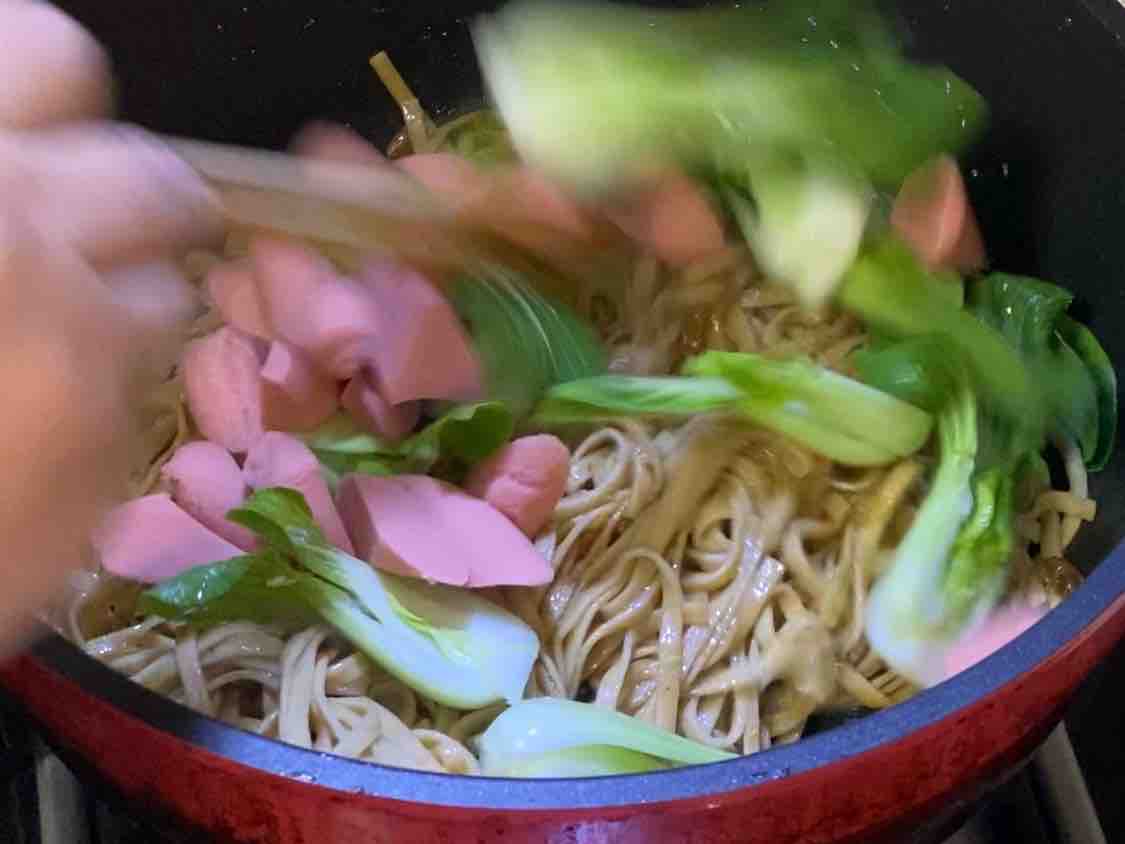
{"x": 836, "y": 416}
{"x": 795, "y": 111}
{"x": 448, "y": 644}
{"x": 552, "y": 737}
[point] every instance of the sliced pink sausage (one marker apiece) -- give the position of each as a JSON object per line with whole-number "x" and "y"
{"x": 391, "y": 423}
{"x": 932, "y": 213}
{"x": 422, "y": 527}
{"x": 223, "y": 387}
{"x": 524, "y": 480}
{"x": 1004, "y": 625}
{"x": 333, "y": 142}
{"x": 233, "y": 290}
{"x": 296, "y": 396}
{"x": 456, "y": 180}
{"x": 278, "y": 459}
{"x": 423, "y": 350}
{"x": 332, "y": 318}
{"x": 674, "y": 219}
{"x": 151, "y": 539}
{"x": 206, "y": 482}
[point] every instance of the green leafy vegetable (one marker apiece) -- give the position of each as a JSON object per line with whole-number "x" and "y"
{"x": 526, "y": 343}
{"x": 551, "y": 737}
{"x": 910, "y": 617}
{"x": 448, "y": 644}
{"x": 462, "y": 436}
{"x": 896, "y": 297}
{"x": 843, "y": 419}
{"x": 1086, "y": 345}
{"x": 803, "y": 219}
{"x": 793, "y": 110}
{"x": 607, "y": 397}
{"x": 262, "y": 588}
{"x": 1079, "y": 388}
{"x": 479, "y": 136}
{"x": 824, "y": 77}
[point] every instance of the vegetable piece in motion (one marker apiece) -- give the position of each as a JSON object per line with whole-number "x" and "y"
{"x": 526, "y": 342}
{"x": 524, "y": 480}
{"x": 833, "y": 415}
{"x": 1079, "y": 390}
{"x": 418, "y": 526}
{"x": 552, "y": 737}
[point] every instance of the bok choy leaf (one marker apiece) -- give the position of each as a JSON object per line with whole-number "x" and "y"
{"x": 552, "y": 737}
{"x": 462, "y": 436}
{"x": 448, "y": 644}
{"x": 526, "y": 342}
{"x": 606, "y": 397}
{"x": 836, "y": 416}
{"x": 1070, "y": 366}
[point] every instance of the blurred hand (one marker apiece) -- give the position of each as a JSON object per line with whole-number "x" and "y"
{"x": 90, "y": 215}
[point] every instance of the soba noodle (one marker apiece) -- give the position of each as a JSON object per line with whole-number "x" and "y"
{"x": 710, "y": 577}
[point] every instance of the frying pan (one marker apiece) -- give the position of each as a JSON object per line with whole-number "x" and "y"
{"x": 1049, "y": 187}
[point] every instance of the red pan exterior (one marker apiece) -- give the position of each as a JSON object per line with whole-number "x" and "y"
{"x": 887, "y": 794}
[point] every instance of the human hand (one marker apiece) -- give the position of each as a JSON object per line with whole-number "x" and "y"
{"x": 91, "y": 214}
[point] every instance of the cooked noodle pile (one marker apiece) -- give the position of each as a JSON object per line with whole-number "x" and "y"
{"x": 709, "y": 577}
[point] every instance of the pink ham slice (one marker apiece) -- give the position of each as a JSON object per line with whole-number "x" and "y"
{"x": 423, "y": 351}
{"x": 422, "y": 527}
{"x": 223, "y": 387}
{"x": 392, "y": 423}
{"x": 333, "y": 319}
{"x": 932, "y": 213}
{"x": 524, "y": 480}
{"x": 1004, "y": 625}
{"x": 332, "y": 142}
{"x": 672, "y": 218}
{"x": 150, "y": 539}
{"x": 206, "y": 482}
{"x": 234, "y": 292}
{"x": 296, "y": 395}
{"x": 278, "y": 459}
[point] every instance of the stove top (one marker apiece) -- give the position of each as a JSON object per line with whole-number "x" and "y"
{"x": 42, "y": 803}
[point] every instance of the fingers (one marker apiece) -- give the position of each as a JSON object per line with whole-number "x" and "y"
{"x": 52, "y": 69}
{"x": 115, "y": 194}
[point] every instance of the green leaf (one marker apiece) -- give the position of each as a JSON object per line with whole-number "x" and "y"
{"x": 1028, "y": 313}
{"x": 898, "y": 299}
{"x": 784, "y": 203}
{"x": 588, "y": 760}
{"x": 836, "y": 416}
{"x": 262, "y": 588}
{"x": 462, "y": 436}
{"x": 979, "y": 558}
{"x": 1090, "y": 351}
{"x": 590, "y": 93}
{"x": 449, "y": 644}
{"x": 281, "y": 517}
{"x": 606, "y": 397}
{"x": 525, "y": 342}
{"x": 550, "y": 736}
